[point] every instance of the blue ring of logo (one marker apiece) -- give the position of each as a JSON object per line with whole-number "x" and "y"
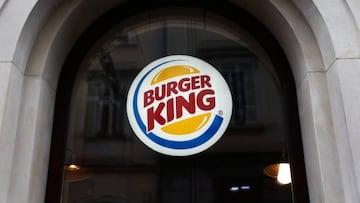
{"x": 206, "y": 136}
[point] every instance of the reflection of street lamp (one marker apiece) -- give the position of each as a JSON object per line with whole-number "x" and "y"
{"x": 73, "y": 172}
{"x": 72, "y": 167}
{"x": 280, "y": 171}
{"x": 71, "y": 164}
{"x": 284, "y": 174}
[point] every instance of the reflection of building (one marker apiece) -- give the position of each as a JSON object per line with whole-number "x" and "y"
{"x": 321, "y": 41}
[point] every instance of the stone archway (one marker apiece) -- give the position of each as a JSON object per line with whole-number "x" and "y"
{"x": 295, "y": 25}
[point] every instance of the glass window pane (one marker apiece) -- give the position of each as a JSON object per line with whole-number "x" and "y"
{"x": 116, "y": 167}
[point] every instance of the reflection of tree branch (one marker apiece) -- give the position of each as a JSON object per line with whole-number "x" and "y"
{"x": 115, "y": 107}
{"x": 107, "y": 65}
{"x": 111, "y": 75}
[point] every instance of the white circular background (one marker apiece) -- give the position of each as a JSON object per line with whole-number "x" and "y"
{"x": 222, "y": 96}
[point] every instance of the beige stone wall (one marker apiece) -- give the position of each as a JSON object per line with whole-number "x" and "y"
{"x": 320, "y": 38}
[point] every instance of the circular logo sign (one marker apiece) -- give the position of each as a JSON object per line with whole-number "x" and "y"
{"x": 179, "y": 105}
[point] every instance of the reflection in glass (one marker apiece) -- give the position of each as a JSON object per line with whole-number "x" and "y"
{"x": 124, "y": 170}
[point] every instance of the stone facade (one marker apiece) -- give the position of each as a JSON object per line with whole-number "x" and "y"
{"x": 321, "y": 39}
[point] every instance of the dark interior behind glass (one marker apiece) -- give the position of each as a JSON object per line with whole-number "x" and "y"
{"x": 117, "y": 168}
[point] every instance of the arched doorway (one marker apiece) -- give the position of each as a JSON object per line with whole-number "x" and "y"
{"x": 241, "y": 49}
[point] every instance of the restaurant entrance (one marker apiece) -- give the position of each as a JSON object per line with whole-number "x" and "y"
{"x": 97, "y": 158}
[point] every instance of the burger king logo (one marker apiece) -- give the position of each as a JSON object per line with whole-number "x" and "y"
{"x": 179, "y": 105}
